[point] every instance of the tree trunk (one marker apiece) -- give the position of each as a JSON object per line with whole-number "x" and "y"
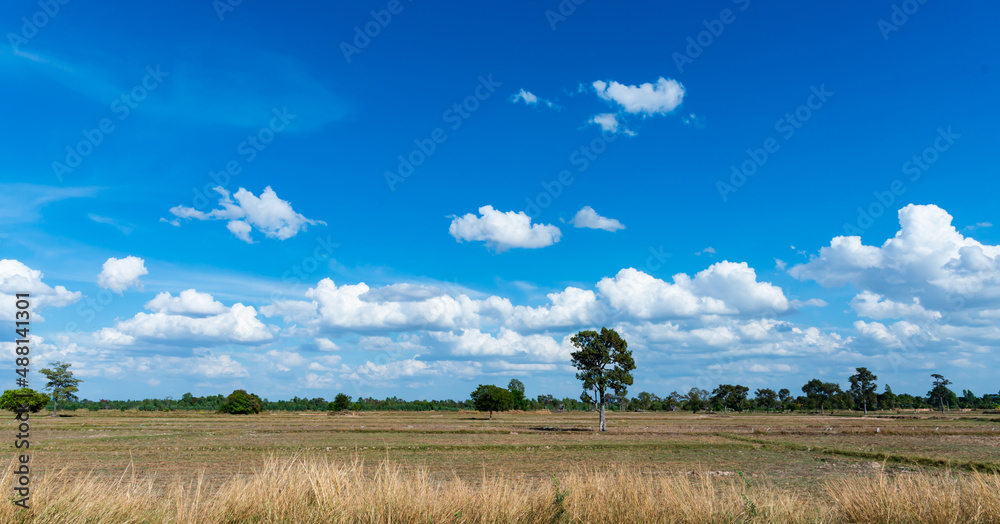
{"x": 603, "y": 426}
{"x": 55, "y": 406}
{"x": 865, "y": 404}
{"x": 491, "y": 415}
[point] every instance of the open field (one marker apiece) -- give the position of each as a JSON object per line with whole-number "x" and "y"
{"x": 793, "y": 455}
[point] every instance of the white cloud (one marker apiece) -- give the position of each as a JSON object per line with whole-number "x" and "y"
{"x": 649, "y": 99}
{"x": 589, "y": 218}
{"x": 707, "y": 251}
{"x": 609, "y": 122}
{"x": 724, "y": 288}
{"x": 873, "y": 305}
{"x": 325, "y": 344}
{"x": 119, "y": 274}
{"x": 217, "y": 366}
{"x": 15, "y": 277}
{"x": 503, "y": 231}
{"x": 531, "y": 99}
{"x": 239, "y": 323}
{"x": 472, "y": 342}
{"x": 268, "y": 214}
{"x": 189, "y": 302}
{"x": 568, "y": 308}
{"x": 927, "y": 260}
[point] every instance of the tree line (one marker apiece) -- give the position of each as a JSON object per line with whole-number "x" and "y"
{"x": 605, "y": 366}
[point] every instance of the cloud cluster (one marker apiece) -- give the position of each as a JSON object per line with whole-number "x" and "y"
{"x": 268, "y": 214}
{"x": 15, "y": 277}
{"x": 645, "y": 99}
{"x": 531, "y": 99}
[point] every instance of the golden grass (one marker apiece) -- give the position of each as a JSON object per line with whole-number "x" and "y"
{"x": 321, "y": 491}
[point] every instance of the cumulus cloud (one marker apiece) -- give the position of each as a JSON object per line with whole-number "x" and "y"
{"x": 472, "y": 342}
{"x": 926, "y": 269}
{"x": 15, "y": 277}
{"x": 119, "y": 274}
{"x": 726, "y": 288}
{"x": 268, "y": 214}
{"x": 502, "y": 231}
{"x": 189, "y": 302}
{"x": 571, "y": 307}
{"x": 589, "y": 218}
{"x": 238, "y": 323}
{"x": 648, "y": 99}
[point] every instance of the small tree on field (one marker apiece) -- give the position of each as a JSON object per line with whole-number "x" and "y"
{"x": 863, "y": 387}
{"x": 340, "y": 403}
{"x": 240, "y": 402}
{"x": 516, "y": 388}
{"x": 15, "y": 400}
{"x": 492, "y": 398}
{"x": 61, "y": 383}
{"x": 605, "y": 364}
{"x": 940, "y": 391}
{"x": 766, "y": 398}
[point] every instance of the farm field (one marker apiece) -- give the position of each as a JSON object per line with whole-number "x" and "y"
{"x": 789, "y": 449}
{"x": 795, "y": 455}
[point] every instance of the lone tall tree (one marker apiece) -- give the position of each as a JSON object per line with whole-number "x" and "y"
{"x": 605, "y": 364}
{"x": 863, "y": 387}
{"x": 492, "y": 398}
{"x": 61, "y": 383}
{"x": 940, "y": 391}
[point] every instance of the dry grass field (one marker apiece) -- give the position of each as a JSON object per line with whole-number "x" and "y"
{"x": 534, "y": 467}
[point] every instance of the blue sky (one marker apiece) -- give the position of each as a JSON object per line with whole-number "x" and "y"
{"x": 416, "y": 199}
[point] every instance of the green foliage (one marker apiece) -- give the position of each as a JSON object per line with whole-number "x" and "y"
{"x": 730, "y": 397}
{"x": 340, "y": 403}
{"x": 516, "y": 388}
{"x": 863, "y": 388}
{"x": 492, "y": 398}
{"x": 61, "y": 383}
{"x": 240, "y": 402}
{"x": 14, "y": 399}
{"x": 766, "y": 398}
{"x": 605, "y": 363}
{"x": 940, "y": 395}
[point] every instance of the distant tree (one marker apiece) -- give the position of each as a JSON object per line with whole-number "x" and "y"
{"x": 15, "y": 399}
{"x": 516, "y": 388}
{"x": 695, "y": 399}
{"x": 820, "y": 393}
{"x": 785, "y": 397}
{"x": 340, "y": 403}
{"x": 940, "y": 393}
{"x": 61, "y": 384}
{"x": 240, "y": 402}
{"x": 863, "y": 387}
{"x": 730, "y": 397}
{"x": 887, "y": 400}
{"x": 766, "y": 398}
{"x": 492, "y": 398}
{"x": 605, "y": 363}
{"x": 645, "y": 400}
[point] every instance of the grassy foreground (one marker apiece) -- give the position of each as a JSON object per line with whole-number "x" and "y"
{"x": 518, "y": 467}
{"x": 321, "y": 491}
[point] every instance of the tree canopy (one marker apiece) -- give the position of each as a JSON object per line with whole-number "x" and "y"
{"x": 240, "y": 402}
{"x": 605, "y": 363}
{"x": 15, "y": 399}
{"x": 61, "y": 384}
{"x": 492, "y": 398}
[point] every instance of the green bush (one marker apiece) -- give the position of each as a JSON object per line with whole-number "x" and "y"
{"x": 240, "y": 402}
{"x": 340, "y": 403}
{"x": 11, "y": 400}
